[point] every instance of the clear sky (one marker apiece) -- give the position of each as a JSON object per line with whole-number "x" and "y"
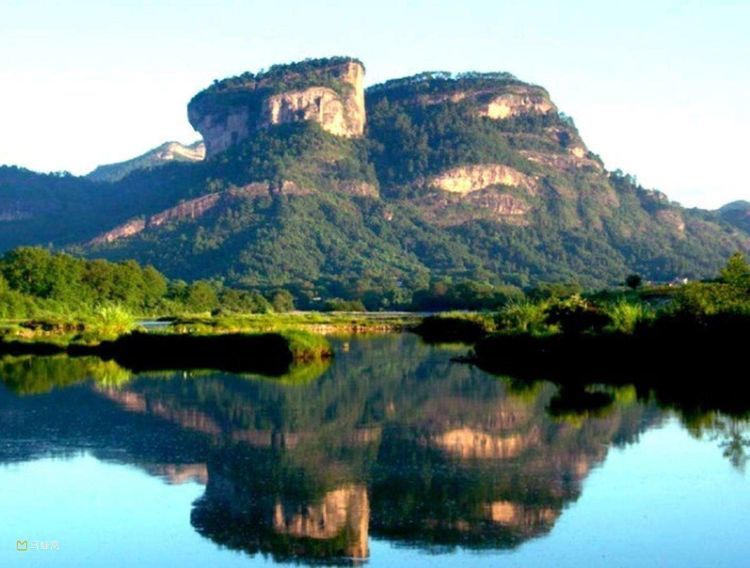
{"x": 658, "y": 88}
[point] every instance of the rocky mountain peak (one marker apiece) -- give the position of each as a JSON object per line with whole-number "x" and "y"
{"x": 329, "y": 92}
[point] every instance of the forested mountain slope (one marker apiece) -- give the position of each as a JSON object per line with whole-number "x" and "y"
{"x": 314, "y": 184}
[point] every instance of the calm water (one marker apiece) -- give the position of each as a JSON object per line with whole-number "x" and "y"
{"x": 393, "y": 456}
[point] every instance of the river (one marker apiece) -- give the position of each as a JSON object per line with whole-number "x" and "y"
{"x": 391, "y": 455}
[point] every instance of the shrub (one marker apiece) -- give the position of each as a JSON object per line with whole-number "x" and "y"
{"x": 625, "y": 316}
{"x": 113, "y": 319}
{"x": 522, "y": 317}
{"x": 633, "y": 281}
{"x": 576, "y": 316}
{"x": 339, "y": 305}
{"x": 454, "y": 327}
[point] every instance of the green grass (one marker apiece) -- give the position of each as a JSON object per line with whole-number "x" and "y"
{"x": 112, "y": 319}
{"x": 316, "y": 322}
{"x": 626, "y": 316}
{"x": 524, "y": 317}
{"x": 306, "y": 346}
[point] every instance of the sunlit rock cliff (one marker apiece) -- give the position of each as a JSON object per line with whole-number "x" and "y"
{"x": 329, "y": 92}
{"x": 167, "y": 153}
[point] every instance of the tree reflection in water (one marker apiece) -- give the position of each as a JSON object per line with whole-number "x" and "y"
{"x": 392, "y": 440}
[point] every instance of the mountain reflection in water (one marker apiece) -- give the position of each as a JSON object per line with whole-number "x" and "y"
{"x": 393, "y": 440}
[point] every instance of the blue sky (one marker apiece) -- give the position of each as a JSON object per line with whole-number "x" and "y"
{"x": 659, "y": 88}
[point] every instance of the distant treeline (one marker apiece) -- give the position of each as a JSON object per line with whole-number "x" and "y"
{"x": 35, "y": 281}
{"x": 699, "y": 309}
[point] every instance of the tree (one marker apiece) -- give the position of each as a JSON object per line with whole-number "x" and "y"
{"x": 201, "y": 297}
{"x": 633, "y": 281}
{"x": 154, "y": 286}
{"x": 737, "y": 271}
{"x": 177, "y": 290}
{"x": 243, "y": 301}
{"x": 282, "y": 301}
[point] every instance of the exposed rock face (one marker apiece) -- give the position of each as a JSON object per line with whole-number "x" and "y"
{"x": 177, "y": 474}
{"x": 14, "y": 212}
{"x": 475, "y": 444}
{"x": 521, "y": 516}
{"x": 196, "y": 208}
{"x": 344, "y": 509}
{"x": 570, "y": 162}
{"x": 172, "y": 151}
{"x": 500, "y": 204}
{"x": 340, "y": 115}
{"x": 128, "y": 229}
{"x": 164, "y": 154}
{"x": 466, "y": 179}
{"x": 222, "y": 132}
{"x": 231, "y": 116}
{"x": 188, "y": 418}
{"x": 445, "y": 210}
{"x": 672, "y": 219}
{"x": 518, "y": 100}
{"x": 578, "y": 152}
{"x": 507, "y": 99}
{"x": 191, "y": 209}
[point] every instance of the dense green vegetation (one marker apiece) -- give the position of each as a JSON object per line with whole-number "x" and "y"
{"x": 288, "y": 76}
{"x": 737, "y": 213}
{"x": 661, "y": 340}
{"x": 627, "y": 311}
{"x": 412, "y": 140}
{"x": 441, "y": 82}
{"x": 35, "y": 282}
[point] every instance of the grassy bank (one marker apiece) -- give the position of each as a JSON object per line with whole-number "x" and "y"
{"x": 325, "y": 323}
{"x": 265, "y": 353}
{"x": 691, "y": 363}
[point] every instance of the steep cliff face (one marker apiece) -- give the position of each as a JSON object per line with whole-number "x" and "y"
{"x": 329, "y": 92}
{"x": 343, "y": 511}
{"x": 493, "y": 204}
{"x": 517, "y": 100}
{"x": 339, "y": 112}
{"x": 468, "y": 443}
{"x": 221, "y": 132}
{"x": 467, "y": 179}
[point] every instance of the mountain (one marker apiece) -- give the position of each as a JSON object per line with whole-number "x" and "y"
{"x": 164, "y": 154}
{"x": 737, "y": 213}
{"x": 315, "y": 184}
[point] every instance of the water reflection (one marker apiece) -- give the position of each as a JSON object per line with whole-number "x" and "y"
{"x": 393, "y": 440}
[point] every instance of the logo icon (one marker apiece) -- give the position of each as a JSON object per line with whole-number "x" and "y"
{"x": 22, "y": 545}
